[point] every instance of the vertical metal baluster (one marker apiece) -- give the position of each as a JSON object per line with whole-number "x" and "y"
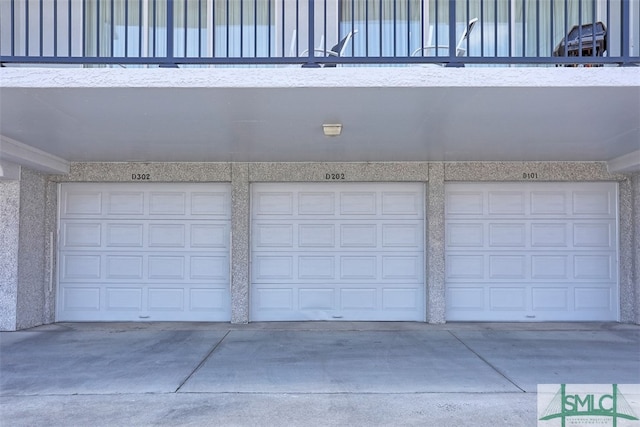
{"x": 366, "y": 28}
{"x": 324, "y": 31}
{"x": 241, "y": 28}
{"x": 41, "y": 24}
{"x": 269, "y": 28}
{"x": 580, "y": 28}
{"x": 83, "y": 18}
{"x": 69, "y": 26}
{"x": 468, "y": 18}
{"x": 524, "y": 28}
{"x": 593, "y": 27}
{"x": 422, "y": 24}
{"x": 55, "y": 28}
{"x": 625, "y": 14}
{"x": 282, "y": 31}
{"x": 353, "y": 26}
{"x": 452, "y": 30}
{"x": 408, "y": 27}
{"x": 311, "y": 63}
{"x": 140, "y": 25}
{"x": 227, "y": 41}
{"x": 380, "y": 25}
{"x": 26, "y": 29}
{"x": 155, "y": 26}
{"x": 566, "y": 28}
{"x": 186, "y": 27}
{"x": 436, "y": 22}
{"x": 551, "y": 25}
{"x": 395, "y": 29}
{"x": 199, "y": 28}
{"x": 608, "y": 7}
{"x": 13, "y": 28}
{"x": 170, "y": 30}
{"x": 112, "y": 32}
{"x": 537, "y": 29}
{"x": 510, "y": 29}
{"x": 98, "y": 28}
{"x": 255, "y": 28}
{"x": 126, "y": 28}
{"x": 213, "y": 28}
{"x": 495, "y": 28}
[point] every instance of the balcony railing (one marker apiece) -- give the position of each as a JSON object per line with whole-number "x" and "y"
{"x": 316, "y": 33}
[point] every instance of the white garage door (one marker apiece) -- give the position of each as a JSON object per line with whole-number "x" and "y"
{"x": 152, "y": 251}
{"x": 531, "y": 251}
{"x": 347, "y": 251}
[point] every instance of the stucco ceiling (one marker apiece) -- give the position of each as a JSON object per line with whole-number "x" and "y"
{"x": 446, "y": 119}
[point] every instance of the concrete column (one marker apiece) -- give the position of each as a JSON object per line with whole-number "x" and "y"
{"x": 435, "y": 245}
{"x": 635, "y": 250}
{"x": 627, "y": 252}
{"x": 240, "y": 243}
{"x": 9, "y": 237}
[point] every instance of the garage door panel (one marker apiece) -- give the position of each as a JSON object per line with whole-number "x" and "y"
{"x": 317, "y": 267}
{"x": 592, "y": 202}
{"x": 464, "y": 203}
{"x": 505, "y": 298}
{"x": 548, "y": 202}
{"x": 164, "y": 299}
{"x": 316, "y": 203}
{"x": 81, "y": 267}
{"x": 316, "y": 299}
{"x": 358, "y": 298}
{"x": 123, "y": 299}
{"x": 461, "y": 235}
{"x": 539, "y": 251}
{"x": 358, "y": 203}
{"x": 209, "y": 236}
{"x": 550, "y": 267}
{"x": 402, "y": 236}
{"x": 124, "y": 235}
{"x": 208, "y": 300}
{"x": 507, "y": 267}
{"x": 347, "y": 251}
{"x": 592, "y": 298}
{"x": 125, "y": 267}
{"x": 316, "y": 236}
{"x": 211, "y": 204}
{"x": 401, "y": 299}
{"x": 83, "y": 203}
{"x": 125, "y": 203}
{"x": 550, "y": 298}
{"x": 593, "y": 267}
{"x": 549, "y": 235}
{"x": 506, "y": 202}
{"x": 143, "y": 247}
{"x": 83, "y": 298}
{"x": 402, "y": 203}
{"x": 81, "y": 235}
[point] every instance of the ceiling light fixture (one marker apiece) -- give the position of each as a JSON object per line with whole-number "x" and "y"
{"x": 334, "y": 129}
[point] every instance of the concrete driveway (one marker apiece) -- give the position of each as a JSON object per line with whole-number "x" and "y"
{"x": 307, "y": 374}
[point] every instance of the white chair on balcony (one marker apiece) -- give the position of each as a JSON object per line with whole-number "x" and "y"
{"x": 461, "y": 47}
{"x": 337, "y": 50}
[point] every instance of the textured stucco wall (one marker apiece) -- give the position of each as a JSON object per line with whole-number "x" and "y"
{"x": 40, "y": 211}
{"x": 9, "y": 236}
{"x": 31, "y": 251}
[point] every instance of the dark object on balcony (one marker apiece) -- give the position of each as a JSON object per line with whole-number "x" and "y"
{"x": 580, "y": 41}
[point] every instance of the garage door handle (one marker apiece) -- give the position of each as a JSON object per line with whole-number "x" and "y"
{"x": 144, "y": 317}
